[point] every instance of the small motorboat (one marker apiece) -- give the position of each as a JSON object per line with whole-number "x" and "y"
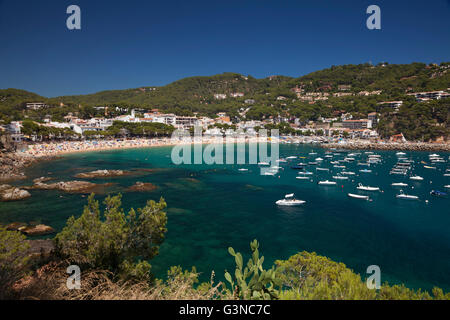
{"x": 281, "y": 161}
{"x": 358, "y": 196}
{"x": 406, "y": 196}
{"x": 416, "y": 178}
{"x": 340, "y": 178}
{"x": 399, "y": 184}
{"x": 428, "y": 167}
{"x": 322, "y": 169}
{"x": 447, "y": 186}
{"x": 400, "y": 153}
{"x": 367, "y": 188}
{"x": 289, "y": 200}
{"x": 348, "y": 173}
{"x": 291, "y": 157}
{"x": 319, "y": 159}
{"x": 438, "y": 193}
{"x": 306, "y": 173}
{"x": 263, "y": 164}
{"x": 313, "y": 163}
{"x": 365, "y": 171}
{"x": 327, "y": 183}
{"x": 269, "y": 173}
{"x": 339, "y": 167}
{"x": 243, "y": 169}
{"x": 302, "y": 178}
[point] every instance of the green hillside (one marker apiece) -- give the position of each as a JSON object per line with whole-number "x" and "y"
{"x": 196, "y": 94}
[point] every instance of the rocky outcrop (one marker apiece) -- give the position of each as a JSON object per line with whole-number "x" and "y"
{"x": 66, "y": 186}
{"x": 142, "y": 187}
{"x": 101, "y": 174}
{"x": 30, "y": 229}
{"x": 11, "y": 166}
{"x": 41, "y": 179}
{"x": 38, "y": 230}
{"x": 10, "y": 193}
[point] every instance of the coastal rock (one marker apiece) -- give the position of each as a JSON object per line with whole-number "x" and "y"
{"x": 9, "y": 193}
{"x": 11, "y": 166}
{"x": 101, "y": 174}
{"x": 38, "y": 230}
{"x": 15, "y": 226}
{"x": 66, "y": 186}
{"x": 41, "y": 179}
{"x": 142, "y": 187}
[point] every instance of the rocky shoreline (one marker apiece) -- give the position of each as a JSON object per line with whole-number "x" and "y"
{"x": 435, "y": 147}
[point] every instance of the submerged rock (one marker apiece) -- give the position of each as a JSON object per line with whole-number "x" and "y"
{"x": 66, "y": 186}
{"x": 142, "y": 187}
{"x": 101, "y": 174}
{"x": 10, "y": 193}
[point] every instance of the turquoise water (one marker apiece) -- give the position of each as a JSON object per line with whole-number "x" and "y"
{"x": 213, "y": 207}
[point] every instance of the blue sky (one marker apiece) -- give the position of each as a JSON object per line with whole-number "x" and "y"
{"x": 128, "y": 44}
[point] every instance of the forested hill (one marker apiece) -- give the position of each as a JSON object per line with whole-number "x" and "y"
{"x": 195, "y": 93}
{"x": 355, "y": 89}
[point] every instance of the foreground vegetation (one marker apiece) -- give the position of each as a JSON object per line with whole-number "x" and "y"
{"x": 114, "y": 250}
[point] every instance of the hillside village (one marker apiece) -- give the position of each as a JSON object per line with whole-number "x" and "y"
{"x": 341, "y": 102}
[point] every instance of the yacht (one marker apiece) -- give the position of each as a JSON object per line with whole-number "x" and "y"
{"x": 416, "y": 178}
{"x": 289, "y": 200}
{"x": 367, "y": 188}
{"x": 340, "y": 178}
{"x": 406, "y": 196}
{"x": 399, "y": 184}
{"x": 327, "y": 183}
{"x": 358, "y": 196}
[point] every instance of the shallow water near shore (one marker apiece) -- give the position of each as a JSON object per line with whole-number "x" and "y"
{"x": 213, "y": 207}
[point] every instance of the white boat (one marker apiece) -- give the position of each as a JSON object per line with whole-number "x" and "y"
{"x": 406, "y": 196}
{"x": 306, "y": 173}
{"x": 312, "y": 153}
{"x": 399, "y": 184}
{"x": 339, "y": 167}
{"x": 367, "y": 188}
{"x": 289, "y": 200}
{"x": 416, "y": 178}
{"x": 327, "y": 183}
{"x": 446, "y": 174}
{"x": 433, "y": 155}
{"x": 400, "y": 153}
{"x": 243, "y": 169}
{"x": 291, "y": 157}
{"x": 365, "y": 171}
{"x": 340, "y": 178}
{"x": 358, "y": 196}
{"x": 447, "y": 186}
{"x": 302, "y": 178}
{"x": 281, "y": 161}
{"x": 322, "y": 169}
{"x": 348, "y": 173}
{"x": 319, "y": 159}
{"x": 269, "y": 173}
{"x": 263, "y": 164}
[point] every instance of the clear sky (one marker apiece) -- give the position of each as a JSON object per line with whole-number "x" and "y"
{"x": 133, "y": 43}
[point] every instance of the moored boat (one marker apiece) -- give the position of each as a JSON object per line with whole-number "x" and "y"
{"x": 289, "y": 200}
